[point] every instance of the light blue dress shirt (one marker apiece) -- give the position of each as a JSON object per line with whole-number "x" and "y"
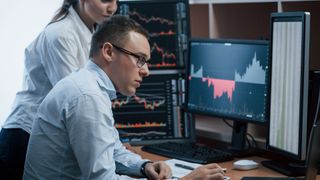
{"x": 61, "y": 48}
{"x": 74, "y": 135}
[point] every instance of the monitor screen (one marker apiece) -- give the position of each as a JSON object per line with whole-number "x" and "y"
{"x": 167, "y": 22}
{"x": 289, "y": 90}
{"x": 289, "y": 85}
{"x": 229, "y": 79}
{"x": 153, "y": 114}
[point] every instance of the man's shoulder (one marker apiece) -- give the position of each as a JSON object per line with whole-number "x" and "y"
{"x": 81, "y": 83}
{"x": 84, "y": 81}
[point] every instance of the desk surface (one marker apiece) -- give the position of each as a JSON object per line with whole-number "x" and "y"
{"x": 233, "y": 174}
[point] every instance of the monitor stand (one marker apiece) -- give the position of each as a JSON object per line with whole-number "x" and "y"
{"x": 313, "y": 155}
{"x": 291, "y": 169}
{"x": 238, "y": 146}
{"x": 299, "y": 168}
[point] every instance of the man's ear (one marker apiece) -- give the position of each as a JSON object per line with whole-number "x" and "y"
{"x": 106, "y": 51}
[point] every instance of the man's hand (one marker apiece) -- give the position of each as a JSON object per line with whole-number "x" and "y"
{"x": 158, "y": 170}
{"x": 210, "y": 171}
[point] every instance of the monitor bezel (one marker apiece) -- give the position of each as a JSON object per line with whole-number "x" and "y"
{"x": 303, "y": 17}
{"x": 220, "y": 40}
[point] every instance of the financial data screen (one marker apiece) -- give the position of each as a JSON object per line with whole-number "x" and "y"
{"x": 286, "y": 86}
{"x": 167, "y": 24}
{"x": 229, "y": 79}
{"x": 154, "y": 112}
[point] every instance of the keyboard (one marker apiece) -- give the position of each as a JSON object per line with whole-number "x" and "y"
{"x": 271, "y": 178}
{"x": 189, "y": 152}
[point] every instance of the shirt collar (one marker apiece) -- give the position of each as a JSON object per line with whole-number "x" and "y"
{"x": 103, "y": 80}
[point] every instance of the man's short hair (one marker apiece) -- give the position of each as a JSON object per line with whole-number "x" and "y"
{"x": 114, "y": 30}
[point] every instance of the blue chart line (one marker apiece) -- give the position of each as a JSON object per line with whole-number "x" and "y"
{"x": 254, "y": 73}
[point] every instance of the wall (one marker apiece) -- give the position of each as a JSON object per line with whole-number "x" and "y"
{"x": 20, "y": 23}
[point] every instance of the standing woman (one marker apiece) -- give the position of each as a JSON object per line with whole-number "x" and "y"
{"x": 61, "y": 48}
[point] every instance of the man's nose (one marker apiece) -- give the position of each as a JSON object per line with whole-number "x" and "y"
{"x": 144, "y": 70}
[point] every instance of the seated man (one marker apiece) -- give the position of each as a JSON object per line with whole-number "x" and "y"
{"x": 74, "y": 135}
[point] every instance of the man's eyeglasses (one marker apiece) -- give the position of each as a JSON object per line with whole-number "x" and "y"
{"x": 140, "y": 59}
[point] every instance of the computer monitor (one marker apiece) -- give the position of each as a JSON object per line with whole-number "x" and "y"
{"x": 167, "y": 22}
{"x": 229, "y": 79}
{"x": 288, "y": 134}
{"x": 154, "y": 114}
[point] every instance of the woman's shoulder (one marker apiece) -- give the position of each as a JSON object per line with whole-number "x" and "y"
{"x": 62, "y": 28}
{"x": 69, "y": 28}
{"x": 62, "y": 31}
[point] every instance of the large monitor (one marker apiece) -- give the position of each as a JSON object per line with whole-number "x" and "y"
{"x": 229, "y": 79}
{"x": 167, "y": 22}
{"x": 155, "y": 113}
{"x": 289, "y": 91}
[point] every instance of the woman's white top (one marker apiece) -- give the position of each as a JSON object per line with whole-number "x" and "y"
{"x": 61, "y": 48}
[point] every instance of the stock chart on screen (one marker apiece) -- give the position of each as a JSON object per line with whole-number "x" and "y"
{"x": 229, "y": 78}
{"x": 154, "y": 111}
{"x": 167, "y": 25}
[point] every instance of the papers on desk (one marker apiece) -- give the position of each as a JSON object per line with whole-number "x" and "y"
{"x": 183, "y": 167}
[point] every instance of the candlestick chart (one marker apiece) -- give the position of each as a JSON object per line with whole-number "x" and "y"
{"x": 153, "y": 112}
{"x": 167, "y": 26}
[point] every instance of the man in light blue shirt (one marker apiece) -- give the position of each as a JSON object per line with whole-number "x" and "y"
{"x": 74, "y": 136}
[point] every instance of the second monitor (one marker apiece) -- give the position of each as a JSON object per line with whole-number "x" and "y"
{"x": 229, "y": 79}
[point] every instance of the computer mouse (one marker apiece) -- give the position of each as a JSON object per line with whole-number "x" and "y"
{"x": 245, "y": 164}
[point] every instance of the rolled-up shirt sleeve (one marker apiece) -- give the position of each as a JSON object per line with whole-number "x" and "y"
{"x": 127, "y": 161}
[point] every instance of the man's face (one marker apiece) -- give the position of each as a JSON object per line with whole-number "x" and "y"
{"x": 126, "y": 75}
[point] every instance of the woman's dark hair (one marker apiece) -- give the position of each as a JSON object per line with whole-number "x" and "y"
{"x": 64, "y": 10}
{"x": 114, "y": 30}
